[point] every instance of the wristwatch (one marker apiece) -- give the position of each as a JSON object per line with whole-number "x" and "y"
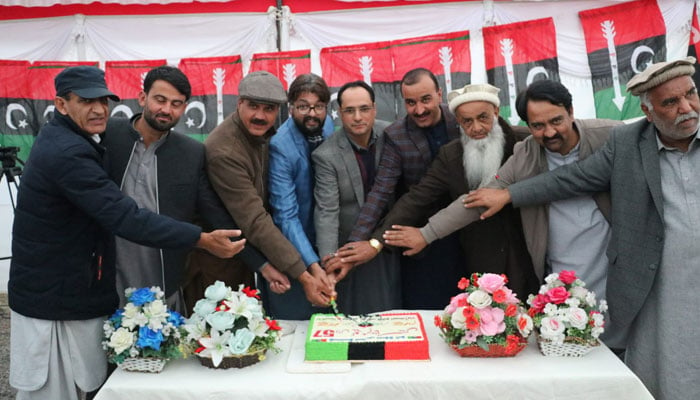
{"x": 376, "y": 244}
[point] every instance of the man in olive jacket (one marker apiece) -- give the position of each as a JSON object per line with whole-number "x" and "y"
{"x": 237, "y": 156}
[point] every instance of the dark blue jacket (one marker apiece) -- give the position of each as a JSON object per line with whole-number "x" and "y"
{"x": 62, "y": 240}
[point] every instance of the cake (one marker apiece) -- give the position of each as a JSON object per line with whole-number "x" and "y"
{"x": 399, "y": 336}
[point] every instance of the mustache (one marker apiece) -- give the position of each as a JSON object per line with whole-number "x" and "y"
{"x": 552, "y": 138}
{"x": 422, "y": 115}
{"x": 685, "y": 117}
{"x": 257, "y": 121}
{"x": 310, "y": 118}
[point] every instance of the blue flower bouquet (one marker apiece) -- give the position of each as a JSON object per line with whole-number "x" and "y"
{"x": 144, "y": 334}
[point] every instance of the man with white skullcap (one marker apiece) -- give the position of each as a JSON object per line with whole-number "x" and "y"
{"x": 650, "y": 168}
{"x": 486, "y": 141}
{"x": 568, "y": 235}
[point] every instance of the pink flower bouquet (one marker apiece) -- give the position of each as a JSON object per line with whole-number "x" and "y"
{"x": 566, "y": 315}
{"x": 487, "y": 320}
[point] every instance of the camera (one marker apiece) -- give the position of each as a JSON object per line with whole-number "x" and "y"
{"x": 8, "y": 160}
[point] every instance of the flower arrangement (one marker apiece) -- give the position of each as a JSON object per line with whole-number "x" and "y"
{"x": 143, "y": 330}
{"x": 565, "y": 312}
{"x": 227, "y": 325}
{"x": 487, "y": 320}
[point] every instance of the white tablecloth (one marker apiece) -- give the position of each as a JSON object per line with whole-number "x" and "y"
{"x": 529, "y": 375}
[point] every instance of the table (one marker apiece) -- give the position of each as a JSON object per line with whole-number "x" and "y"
{"x": 529, "y": 375}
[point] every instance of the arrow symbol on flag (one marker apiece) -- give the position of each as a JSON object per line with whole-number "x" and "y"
{"x": 289, "y": 73}
{"x": 219, "y": 75}
{"x": 446, "y": 61}
{"x": 608, "y": 28}
{"x": 366, "y": 69}
{"x": 507, "y": 52}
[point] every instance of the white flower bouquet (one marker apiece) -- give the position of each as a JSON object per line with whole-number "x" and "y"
{"x": 566, "y": 315}
{"x": 229, "y": 329}
{"x": 144, "y": 334}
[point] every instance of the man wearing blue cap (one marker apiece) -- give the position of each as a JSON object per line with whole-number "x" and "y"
{"x": 62, "y": 274}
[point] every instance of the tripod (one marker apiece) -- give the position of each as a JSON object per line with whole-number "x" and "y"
{"x": 11, "y": 171}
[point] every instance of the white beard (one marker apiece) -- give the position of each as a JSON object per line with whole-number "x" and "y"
{"x": 482, "y": 157}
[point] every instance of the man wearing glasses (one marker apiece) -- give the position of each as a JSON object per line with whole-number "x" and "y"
{"x": 410, "y": 145}
{"x": 345, "y": 167}
{"x": 238, "y": 157}
{"x": 291, "y": 184}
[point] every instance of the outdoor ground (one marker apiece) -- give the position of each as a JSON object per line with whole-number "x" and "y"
{"x": 6, "y": 392}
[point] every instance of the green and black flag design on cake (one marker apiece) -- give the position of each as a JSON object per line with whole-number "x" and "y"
{"x": 621, "y": 41}
{"x": 214, "y": 83}
{"x": 516, "y": 55}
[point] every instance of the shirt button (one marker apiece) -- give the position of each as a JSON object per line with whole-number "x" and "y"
{"x": 652, "y": 266}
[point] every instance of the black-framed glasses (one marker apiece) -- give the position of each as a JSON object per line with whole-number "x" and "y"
{"x": 305, "y": 108}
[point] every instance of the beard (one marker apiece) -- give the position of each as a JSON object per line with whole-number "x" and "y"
{"x": 157, "y": 125}
{"x": 315, "y": 131}
{"x": 482, "y": 158}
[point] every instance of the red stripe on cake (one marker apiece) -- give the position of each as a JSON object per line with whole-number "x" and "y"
{"x": 409, "y": 350}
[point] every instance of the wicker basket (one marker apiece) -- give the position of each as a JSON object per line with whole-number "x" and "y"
{"x": 572, "y": 347}
{"x": 235, "y": 361}
{"x": 139, "y": 364}
{"x": 495, "y": 350}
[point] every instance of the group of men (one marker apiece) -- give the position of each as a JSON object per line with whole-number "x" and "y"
{"x": 378, "y": 216}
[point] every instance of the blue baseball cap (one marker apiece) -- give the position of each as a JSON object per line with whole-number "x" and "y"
{"x": 85, "y": 81}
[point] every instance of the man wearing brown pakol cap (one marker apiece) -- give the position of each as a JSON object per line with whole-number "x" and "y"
{"x": 237, "y": 157}
{"x": 62, "y": 275}
{"x": 650, "y": 168}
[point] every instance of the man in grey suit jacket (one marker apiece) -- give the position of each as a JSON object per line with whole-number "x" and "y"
{"x": 650, "y": 169}
{"x": 345, "y": 167}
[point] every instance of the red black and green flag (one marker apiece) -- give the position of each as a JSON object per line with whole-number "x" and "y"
{"x": 125, "y": 79}
{"x": 18, "y": 124}
{"x": 286, "y": 65}
{"x": 214, "y": 83}
{"x": 621, "y": 41}
{"x": 27, "y": 95}
{"x": 446, "y": 55}
{"x": 516, "y": 55}
{"x": 369, "y": 62}
{"x": 694, "y": 45}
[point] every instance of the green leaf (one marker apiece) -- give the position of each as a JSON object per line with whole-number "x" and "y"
{"x": 482, "y": 343}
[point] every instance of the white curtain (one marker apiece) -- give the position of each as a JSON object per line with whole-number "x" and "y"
{"x": 138, "y": 37}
